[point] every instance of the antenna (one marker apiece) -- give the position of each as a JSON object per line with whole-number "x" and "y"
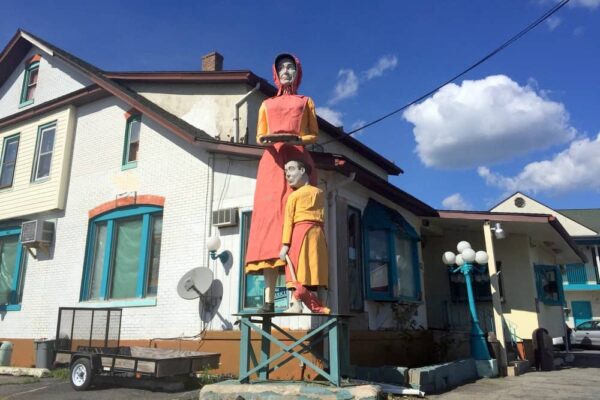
{"x": 195, "y": 283}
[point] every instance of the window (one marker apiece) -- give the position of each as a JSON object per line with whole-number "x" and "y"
{"x": 549, "y": 284}
{"x": 8, "y": 159}
{"x": 43, "y": 152}
{"x": 355, "y": 259}
{"x": 252, "y": 288}
{"x": 132, "y": 141}
{"x": 391, "y": 255}
{"x": 12, "y": 269}
{"x": 29, "y": 83}
{"x": 123, "y": 253}
{"x": 480, "y": 283}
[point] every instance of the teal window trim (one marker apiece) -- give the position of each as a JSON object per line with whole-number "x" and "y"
{"x": 25, "y": 88}
{"x": 17, "y": 283}
{"x": 147, "y": 213}
{"x": 5, "y": 143}
{"x": 543, "y": 271}
{"x": 378, "y": 217}
{"x": 38, "y": 145}
{"x": 125, "y": 164}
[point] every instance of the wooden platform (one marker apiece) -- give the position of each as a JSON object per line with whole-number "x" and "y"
{"x": 333, "y": 330}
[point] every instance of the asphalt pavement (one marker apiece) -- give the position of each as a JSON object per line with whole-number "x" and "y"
{"x": 26, "y": 388}
{"x": 579, "y": 380}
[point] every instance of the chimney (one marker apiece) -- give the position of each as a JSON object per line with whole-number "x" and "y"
{"x": 212, "y": 62}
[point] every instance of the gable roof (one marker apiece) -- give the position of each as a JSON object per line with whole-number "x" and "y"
{"x": 575, "y": 227}
{"x": 114, "y": 83}
{"x": 589, "y": 217}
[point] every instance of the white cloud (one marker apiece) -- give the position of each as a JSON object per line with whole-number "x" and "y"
{"x": 348, "y": 82}
{"x": 382, "y": 65}
{"x": 334, "y": 117}
{"x": 456, "y": 202}
{"x": 576, "y": 168}
{"x": 486, "y": 121}
{"x": 553, "y": 22}
{"x": 347, "y": 86}
{"x": 591, "y": 4}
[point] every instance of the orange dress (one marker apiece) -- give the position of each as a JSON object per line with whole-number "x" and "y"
{"x": 287, "y": 112}
{"x": 303, "y": 232}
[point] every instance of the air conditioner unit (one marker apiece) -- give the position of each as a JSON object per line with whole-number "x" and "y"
{"x": 225, "y": 217}
{"x": 37, "y": 233}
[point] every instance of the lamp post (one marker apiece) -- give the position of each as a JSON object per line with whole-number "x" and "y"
{"x": 464, "y": 262}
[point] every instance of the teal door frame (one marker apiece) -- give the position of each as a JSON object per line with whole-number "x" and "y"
{"x": 582, "y": 311}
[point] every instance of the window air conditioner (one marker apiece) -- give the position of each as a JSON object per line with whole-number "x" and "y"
{"x": 37, "y": 233}
{"x": 225, "y": 217}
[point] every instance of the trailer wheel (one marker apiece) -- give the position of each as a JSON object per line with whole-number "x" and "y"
{"x": 81, "y": 374}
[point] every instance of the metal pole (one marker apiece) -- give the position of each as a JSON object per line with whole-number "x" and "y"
{"x": 496, "y": 301}
{"x": 479, "y": 349}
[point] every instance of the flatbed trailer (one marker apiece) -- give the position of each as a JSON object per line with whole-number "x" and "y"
{"x": 88, "y": 341}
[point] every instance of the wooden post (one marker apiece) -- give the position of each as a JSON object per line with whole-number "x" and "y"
{"x": 496, "y": 301}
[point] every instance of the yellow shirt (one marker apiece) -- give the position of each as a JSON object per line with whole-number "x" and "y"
{"x": 309, "y": 129}
{"x": 303, "y": 204}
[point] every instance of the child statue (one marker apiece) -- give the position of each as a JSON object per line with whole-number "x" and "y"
{"x": 303, "y": 239}
{"x": 286, "y": 123}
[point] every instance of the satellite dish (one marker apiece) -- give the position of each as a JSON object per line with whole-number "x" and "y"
{"x": 195, "y": 283}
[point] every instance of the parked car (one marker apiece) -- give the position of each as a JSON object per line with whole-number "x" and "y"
{"x": 586, "y": 334}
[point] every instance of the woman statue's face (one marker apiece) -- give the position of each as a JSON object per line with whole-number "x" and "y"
{"x": 286, "y": 70}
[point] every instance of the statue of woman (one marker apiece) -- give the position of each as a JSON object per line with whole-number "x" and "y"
{"x": 286, "y": 123}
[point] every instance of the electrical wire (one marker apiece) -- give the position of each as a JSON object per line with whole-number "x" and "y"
{"x": 504, "y": 45}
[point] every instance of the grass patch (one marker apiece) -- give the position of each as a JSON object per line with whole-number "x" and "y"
{"x": 60, "y": 373}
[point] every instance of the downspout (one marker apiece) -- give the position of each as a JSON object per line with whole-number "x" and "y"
{"x": 331, "y": 211}
{"x": 237, "y": 111}
{"x": 210, "y": 195}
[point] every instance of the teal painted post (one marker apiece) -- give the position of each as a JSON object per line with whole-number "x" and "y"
{"x": 344, "y": 349}
{"x": 479, "y": 349}
{"x": 265, "y": 349}
{"x": 334, "y": 354}
{"x": 244, "y": 349}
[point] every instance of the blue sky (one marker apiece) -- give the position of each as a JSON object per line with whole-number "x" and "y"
{"x": 525, "y": 120}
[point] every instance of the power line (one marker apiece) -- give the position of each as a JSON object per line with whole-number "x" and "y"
{"x": 504, "y": 45}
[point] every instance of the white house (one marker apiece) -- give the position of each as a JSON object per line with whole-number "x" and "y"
{"x": 129, "y": 168}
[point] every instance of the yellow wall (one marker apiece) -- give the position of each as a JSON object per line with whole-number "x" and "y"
{"x": 25, "y": 197}
{"x": 518, "y": 279}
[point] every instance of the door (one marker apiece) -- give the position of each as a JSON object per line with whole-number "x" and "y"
{"x": 582, "y": 311}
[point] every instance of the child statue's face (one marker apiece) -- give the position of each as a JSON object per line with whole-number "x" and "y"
{"x": 286, "y": 70}
{"x": 294, "y": 174}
